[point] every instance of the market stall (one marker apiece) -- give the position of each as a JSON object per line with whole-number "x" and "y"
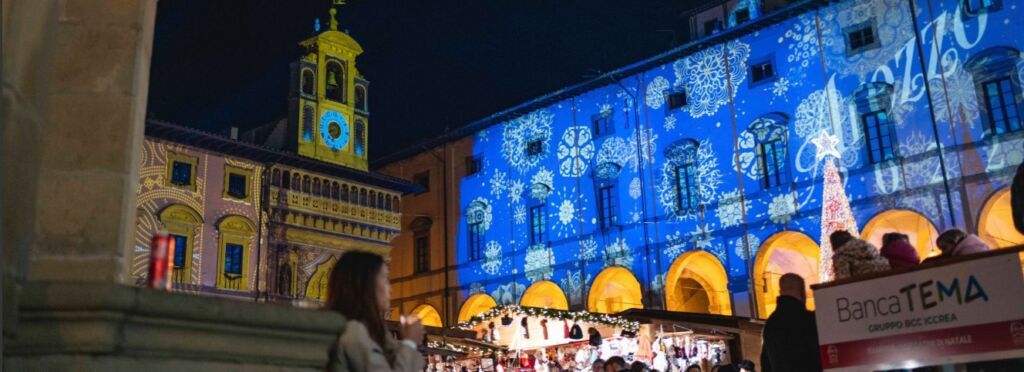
{"x": 680, "y": 339}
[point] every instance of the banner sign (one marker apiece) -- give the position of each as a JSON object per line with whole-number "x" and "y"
{"x": 968, "y": 311}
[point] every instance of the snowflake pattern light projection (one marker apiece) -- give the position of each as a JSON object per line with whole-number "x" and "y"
{"x": 835, "y": 209}
{"x": 541, "y": 184}
{"x": 498, "y": 184}
{"x": 635, "y": 188}
{"x": 893, "y": 27}
{"x": 516, "y": 134}
{"x": 740, "y": 249}
{"x": 588, "y": 249}
{"x": 656, "y": 92}
{"x": 572, "y": 284}
{"x": 782, "y": 208}
{"x": 642, "y": 146}
{"x": 515, "y": 191}
{"x": 480, "y": 211}
{"x": 826, "y": 109}
{"x": 492, "y": 258}
{"x": 618, "y": 254}
{"x": 575, "y": 151}
{"x": 675, "y": 244}
{"x": 731, "y": 208}
{"x": 704, "y": 77}
{"x": 509, "y": 293}
{"x": 540, "y": 260}
{"x": 569, "y": 207}
{"x": 763, "y": 130}
{"x": 708, "y": 177}
{"x": 955, "y": 94}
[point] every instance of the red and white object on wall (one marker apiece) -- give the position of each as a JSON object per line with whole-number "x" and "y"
{"x": 956, "y": 313}
{"x": 161, "y": 249}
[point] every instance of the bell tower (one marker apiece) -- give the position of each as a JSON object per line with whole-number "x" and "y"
{"x": 328, "y": 115}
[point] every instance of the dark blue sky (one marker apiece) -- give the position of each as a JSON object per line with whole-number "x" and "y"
{"x": 431, "y": 63}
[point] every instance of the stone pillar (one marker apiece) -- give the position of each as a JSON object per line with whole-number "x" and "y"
{"x": 76, "y": 76}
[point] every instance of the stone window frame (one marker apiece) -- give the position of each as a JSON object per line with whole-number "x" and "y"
{"x": 173, "y": 157}
{"x": 249, "y": 181}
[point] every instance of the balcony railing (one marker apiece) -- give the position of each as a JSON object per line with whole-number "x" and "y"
{"x": 335, "y": 208}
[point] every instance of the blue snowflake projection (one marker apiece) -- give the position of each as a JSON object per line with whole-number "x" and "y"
{"x": 656, "y": 92}
{"x": 479, "y": 210}
{"x": 893, "y": 26}
{"x": 588, "y": 249}
{"x": 519, "y": 133}
{"x": 515, "y": 191}
{"x": 955, "y": 94}
{"x": 569, "y": 207}
{"x": 572, "y": 284}
{"x": 1003, "y": 154}
{"x": 635, "y": 188}
{"x": 498, "y": 184}
{"x": 740, "y": 249}
{"x": 708, "y": 177}
{"x": 670, "y": 123}
{"x": 826, "y": 110}
{"x": 762, "y": 131}
{"x": 476, "y": 288}
{"x": 575, "y": 151}
{"x": 519, "y": 214}
{"x": 801, "y": 40}
{"x": 509, "y": 293}
{"x": 541, "y": 184}
{"x": 618, "y": 254}
{"x": 492, "y": 258}
{"x": 782, "y": 208}
{"x": 642, "y": 145}
{"x": 613, "y": 151}
{"x": 703, "y": 76}
{"x": 675, "y": 244}
{"x": 731, "y": 208}
{"x": 540, "y": 262}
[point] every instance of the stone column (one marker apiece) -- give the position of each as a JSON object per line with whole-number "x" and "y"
{"x": 75, "y": 82}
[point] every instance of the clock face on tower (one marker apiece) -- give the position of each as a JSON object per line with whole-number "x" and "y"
{"x": 333, "y": 130}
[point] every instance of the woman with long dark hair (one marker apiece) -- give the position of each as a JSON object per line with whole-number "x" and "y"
{"x": 359, "y": 290}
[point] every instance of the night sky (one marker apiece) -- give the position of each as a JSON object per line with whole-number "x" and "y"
{"x": 431, "y": 64}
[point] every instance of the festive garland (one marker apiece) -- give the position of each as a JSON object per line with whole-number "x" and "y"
{"x": 575, "y": 316}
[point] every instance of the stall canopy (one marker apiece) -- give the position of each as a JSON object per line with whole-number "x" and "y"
{"x": 526, "y": 328}
{"x": 742, "y": 334}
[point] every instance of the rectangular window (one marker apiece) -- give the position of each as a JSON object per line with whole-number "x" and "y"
{"x": 606, "y": 206}
{"x": 538, "y": 225}
{"x": 474, "y": 164}
{"x": 686, "y": 183}
{"x": 771, "y": 162}
{"x": 603, "y": 124}
{"x": 760, "y": 72}
{"x": 742, "y": 15}
{"x": 860, "y": 38}
{"x": 180, "y": 250}
{"x": 233, "y": 259}
{"x": 421, "y": 248}
{"x": 534, "y": 147}
{"x": 977, "y": 6}
{"x": 237, "y": 186}
{"x": 476, "y": 240}
{"x": 1003, "y": 114}
{"x": 712, "y": 26}
{"x": 676, "y": 99}
{"x": 181, "y": 173}
{"x": 878, "y": 132}
{"x": 423, "y": 180}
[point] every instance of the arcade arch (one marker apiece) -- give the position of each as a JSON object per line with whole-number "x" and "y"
{"x": 545, "y": 294}
{"x": 921, "y": 231}
{"x": 615, "y": 289}
{"x": 783, "y": 253}
{"x": 995, "y": 223}
{"x": 697, "y": 283}
{"x": 428, "y": 315}
{"x": 475, "y": 305}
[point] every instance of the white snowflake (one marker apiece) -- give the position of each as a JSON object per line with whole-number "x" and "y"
{"x": 675, "y": 244}
{"x": 515, "y": 191}
{"x": 480, "y": 210}
{"x": 955, "y": 94}
{"x": 589, "y": 249}
{"x": 509, "y": 293}
{"x": 656, "y": 92}
{"x": 924, "y": 171}
{"x": 782, "y": 208}
{"x": 707, "y": 177}
{"x": 498, "y": 184}
{"x": 572, "y": 283}
{"x": 614, "y": 150}
{"x": 568, "y": 212}
{"x": 643, "y": 146}
{"x": 703, "y": 75}
{"x": 670, "y": 123}
{"x": 635, "y": 188}
{"x": 618, "y": 254}
{"x": 730, "y": 209}
{"x": 780, "y": 87}
{"x": 1003, "y": 154}
{"x": 636, "y": 216}
{"x": 519, "y": 215}
{"x": 802, "y": 40}
{"x": 492, "y": 258}
{"x": 893, "y": 29}
{"x": 541, "y": 184}
{"x": 535, "y": 126}
{"x": 476, "y": 288}
{"x": 539, "y": 262}
{"x": 740, "y": 249}
{"x": 575, "y": 151}
{"x": 701, "y": 237}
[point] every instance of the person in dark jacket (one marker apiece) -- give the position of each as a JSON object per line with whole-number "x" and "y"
{"x": 790, "y": 338}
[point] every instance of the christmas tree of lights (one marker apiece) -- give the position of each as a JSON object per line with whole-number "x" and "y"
{"x": 835, "y": 207}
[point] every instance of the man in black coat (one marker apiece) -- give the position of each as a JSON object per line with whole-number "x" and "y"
{"x": 790, "y": 339}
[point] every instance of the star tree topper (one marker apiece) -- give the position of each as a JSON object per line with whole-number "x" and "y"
{"x": 826, "y": 144}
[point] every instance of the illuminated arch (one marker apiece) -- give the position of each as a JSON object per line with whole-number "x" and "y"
{"x": 783, "y": 253}
{"x": 316, "y": 288}
{"x": 995, "y": 223}
{"x": 921, "y": 231}
{"x": 697, "y": 283}
{"x": 475, "y": 305}
{"x": 428, "y": 315}
{"x": 545, "y": 294}
{"x": 615, "y": 289}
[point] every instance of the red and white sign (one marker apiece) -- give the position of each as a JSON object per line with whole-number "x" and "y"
{"x": 968, "y": 311}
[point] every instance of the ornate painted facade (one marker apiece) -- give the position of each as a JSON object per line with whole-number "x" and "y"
{"x": 266, "y": 217}
{"x": 691, "y": 181}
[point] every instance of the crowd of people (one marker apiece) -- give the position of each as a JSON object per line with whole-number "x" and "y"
{"x": 790, "y": 338}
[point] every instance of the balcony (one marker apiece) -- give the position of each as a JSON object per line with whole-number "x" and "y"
{"x": 304, "y": 202}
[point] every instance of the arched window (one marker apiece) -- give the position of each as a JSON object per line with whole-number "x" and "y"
{"x": 306, "y": 184}
{"x": 395, "y": 205}
{"x": 360, "y": 138}
{"x": 998, "y": 86}
{"x": 308, "y": 82}
{"x": 317, "y": 287}
{"x": 380, "y": 201}
{"x": 361, "y": 98}
{"x": 478, "y": 217}
{"x": 344, "y": 192}
{"x": 316, "y": 186}
{"x": 682, "y": 156}
{"x": 275, "y": 178}
{"x": 296, "y": 182}
{"x": 387, "y": 203}
{"x": 362, "y": 197}
{"x": 873, "y": 102}
{"x": 308, "y": 116}
{"x": 335, "y": 189}
{"x": 769, "y": 136}
{"x": 326, "y": 189}
{"x": 373, "y": 199}
{"x": 236, "y": 235}
{"x": 354, "y": 196}
{"x": 336, "y": 80}
{"x": 182, "y": 224}
{"x": 286, "y": 179}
